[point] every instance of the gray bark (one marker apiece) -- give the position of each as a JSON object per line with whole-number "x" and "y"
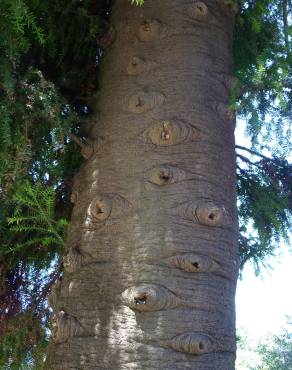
{"x": 152, "y": 262}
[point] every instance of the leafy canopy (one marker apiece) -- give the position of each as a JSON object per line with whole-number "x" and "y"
{"x": 50, "y": 53}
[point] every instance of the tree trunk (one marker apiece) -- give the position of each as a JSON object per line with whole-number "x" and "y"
{"x": 152, "y": 261}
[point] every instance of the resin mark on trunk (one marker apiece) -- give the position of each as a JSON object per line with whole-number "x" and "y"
{"x": 144, "y": 101}
{"x": 196, "y": 263}
{"x": 150, "y": 297}
{"x": 64, "y": 327}
{"x": 138, "y": 66}
{"x": 166, "y": 175}
{"x": 149, "y": 30}
{"x": 191, "y": 343}
{"x": 74, "y": 260}
{"x": 170, "y": 132}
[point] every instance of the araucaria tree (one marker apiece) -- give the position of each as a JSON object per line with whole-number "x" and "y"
{"x": 146, "y": 278}
{"x": 152, "y": 260}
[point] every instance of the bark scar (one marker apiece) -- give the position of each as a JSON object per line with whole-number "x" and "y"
{"x": 191, "y": 343}
{"x": 151, "y": 297}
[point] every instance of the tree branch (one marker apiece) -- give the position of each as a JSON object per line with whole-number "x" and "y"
{"x": 252, "y": 152}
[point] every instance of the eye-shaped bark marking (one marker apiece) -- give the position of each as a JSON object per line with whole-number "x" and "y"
{"x": 198, "y": 10}
{"x": 150, "y": 297}
{"x": 100, "y": 208}
{"x": 144, "y": 101}
{"x": 107, "y": 207}
{"x": 65, "y": 327}
{"x": 138, "y": 65}
{"x": 166, "y": 133}
{"x": 166, "y": 175}
{"x": 211, "y": 214}
{"x": 74, "y": 260}
{"x": 192, "y": 262}
{"x": 149, "y": 30}
{"x": 191, "y": 343}
{"x": 205, "y": 213}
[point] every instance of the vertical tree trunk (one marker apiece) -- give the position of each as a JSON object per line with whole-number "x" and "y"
{"x": 152, "y": 264}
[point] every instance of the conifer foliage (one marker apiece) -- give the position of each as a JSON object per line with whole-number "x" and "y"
{"x": 49, "y": 57}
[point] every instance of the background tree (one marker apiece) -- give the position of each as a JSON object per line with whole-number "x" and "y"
{"x": 276, "y": 353}
{"x": 50, "y": 53}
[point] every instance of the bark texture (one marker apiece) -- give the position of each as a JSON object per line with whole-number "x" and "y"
{"x": 152, "y": 261}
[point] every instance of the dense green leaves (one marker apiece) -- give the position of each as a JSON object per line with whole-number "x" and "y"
{"x": 277, "y": 353}
{"x": 264, "y": 67}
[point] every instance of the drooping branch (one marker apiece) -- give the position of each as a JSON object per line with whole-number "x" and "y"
{"x": 253, "y": 152}
{"x": 245, "y": 159}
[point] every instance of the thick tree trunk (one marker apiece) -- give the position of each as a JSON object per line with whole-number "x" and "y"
{"x": 151, "y": 270}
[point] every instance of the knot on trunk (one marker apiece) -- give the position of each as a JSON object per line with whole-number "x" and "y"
{"x": 88, "y": 148}
{"x": 198, "y": 10}
{"x": 107, "y": 207}
{"x": 166, "y": 133}
{"x": 107, "y": 39}
{"x": 138, "y": 65}
{"x": 149, "y": 30}
{"x": 150, "y": 297}
{"x": 224, "y": 111}
{"x": 64, "y": 327}
{"x": 191, "y": 343}
{"x": 205, "y": 213}
{"x": 233, "y": 85}
{"x": 211, "y": 214}
{"x": 166, "y": 175}
{"x": 145, "y": 101}
{"x": 192, "y": 262}
{"x": 54, "y": 296}
{"x": 100, "y": 208}
{"x": 74, "y": 196}
{"x": 74, "y": 260}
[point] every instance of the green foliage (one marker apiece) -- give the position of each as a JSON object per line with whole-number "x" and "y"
{"x": 19, "y": 347}
{"x": 32, "y": 222}
{"x": 264, "y": 192}
{"x": 137, "y": 2}
{"x": 263, "y": 63}
{"x": 277, "y": 353}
